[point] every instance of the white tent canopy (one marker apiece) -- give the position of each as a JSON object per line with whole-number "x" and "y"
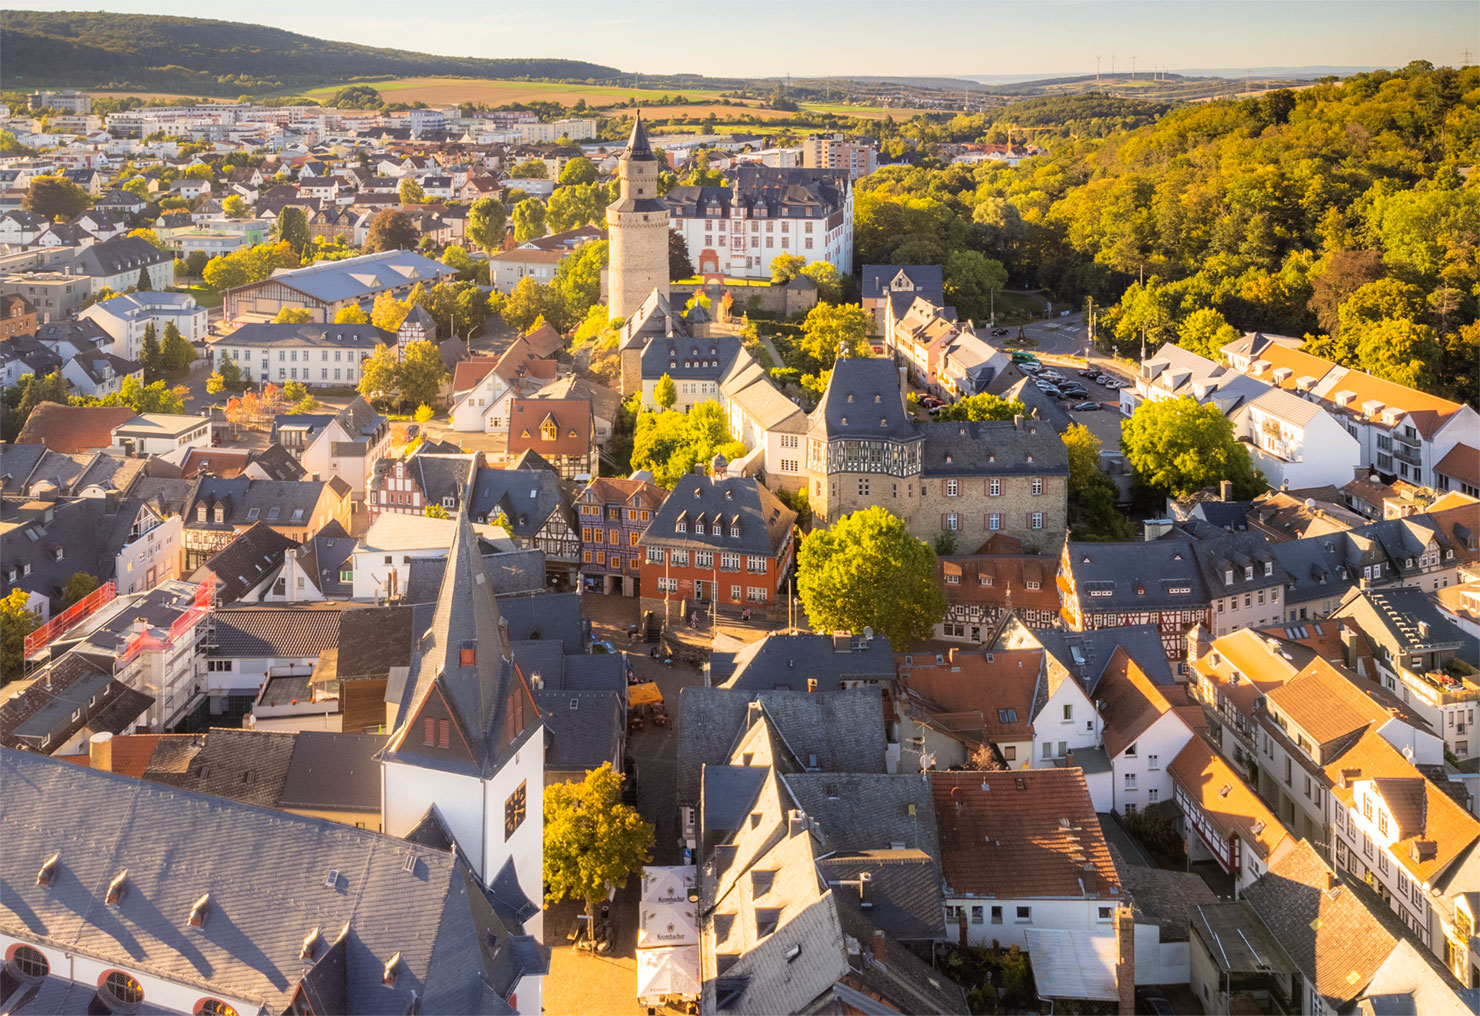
{"x": 663, "y": 972}
{"x": 668, "y": 884}
{"x": 660, "y": 925}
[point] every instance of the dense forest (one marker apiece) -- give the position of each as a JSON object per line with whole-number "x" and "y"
{"x": 1349, "y": 212}
{"x": 98, "y": 49}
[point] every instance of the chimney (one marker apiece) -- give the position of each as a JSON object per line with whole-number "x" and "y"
{"x": 1225, "y": 490}
{"x": 1349, "y": 643}
{"x": 1017, "y": 421}
{"x": 961, "y": 927}
{"x": 865, "y": 891}
{"x": 1125, "y": 959}
{"x": 1332, "y": 880}
{"x": 796, "y": 822}
{"x": 100, "y": 752}
{"x": 811, "y": 685}
{"x": 880, "y": 946}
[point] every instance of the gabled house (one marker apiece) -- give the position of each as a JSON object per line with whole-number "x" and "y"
{"x": 346, "y": 445}
{"x": 411, "y": 485}
{"x": 560, "y": 431}
{"x": 1022, "y": 851}
{"x": 530, "y": 503}
{"x": 614, "y": 514}
{"x": 1141, "y": 735}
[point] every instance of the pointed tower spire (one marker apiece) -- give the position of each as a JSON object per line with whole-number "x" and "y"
{"x": 637, "y": 145}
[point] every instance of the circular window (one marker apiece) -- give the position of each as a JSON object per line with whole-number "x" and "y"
{"x": 29, "y": 963}
{"x": 121, "y": 991}
{"x": 214, "y": 1007}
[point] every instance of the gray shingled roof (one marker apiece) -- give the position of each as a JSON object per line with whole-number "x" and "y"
{"x": 843, "y": 729}
{"x": 984, "y": 447}
{"x": 789, "y": 661}
{"x": 295, "y": 632}
{"x": 765, "y": 523}
{"x": 247, "y": 560}
{"x": 265, "y": 873}
{"x": 863, "y": 400}
{"x": 583, "y": 728}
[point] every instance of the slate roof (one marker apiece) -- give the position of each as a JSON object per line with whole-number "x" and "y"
{"x": 82, "y": 534}
{"x": 262, "y": 334}
{"x": 1169, "y": 899}
{"x": 843, "y": 729}
{"x": 904, "y": 898}
{"x": 464, "y": 660}
{"x": 247, "y": 560}
{"x": 583, "y": 728}
{"x": 73, "y": 428}
{"x": 547, "y": 617}
{"x": 864, "y": 392}
{"x": 265, "y": 874}
{"x": 1407, "y": 620}
{"x": 868, "y": 811}
{"x": 1160, "y": 574}
{"x": 1325, "y": 928}
{"x": 1021, "y": 835}
{"x": 977, "y": 448}
{"x": 246, "y": 500}
{"x": 509, "y": 572}
{"x": 300, "y": 631}
{"x": 691, "y": 359}
{"x": 927, "y": 280}
{"x": 789, "y": 660}
{"x": 765, "y": 523}
{"x": 372, "y": 640}
{"x": 242, "y": 765}
{"x": 40, "y": 718}
{"x": 353, "y": 278}
{"x": 527, "y": 497}
{"x": 117, "y": 255}
{"x": 333, "y": 771}
{"x": 278, "y": 463}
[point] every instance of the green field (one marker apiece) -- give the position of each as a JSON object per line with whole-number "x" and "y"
{"x": 493, "y": 92}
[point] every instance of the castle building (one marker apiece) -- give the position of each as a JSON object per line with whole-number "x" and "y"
{"x": 637, "y": 228}
{"x": 965, "y": 482}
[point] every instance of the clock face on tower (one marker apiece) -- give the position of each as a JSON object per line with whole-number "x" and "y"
{"x": 514, "y": 811}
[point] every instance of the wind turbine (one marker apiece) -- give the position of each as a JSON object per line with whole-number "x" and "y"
{"x": 1097, "y": 68}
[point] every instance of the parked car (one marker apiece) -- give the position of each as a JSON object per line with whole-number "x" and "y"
{"x": 999, "y": 331}
{"x": 935, "y": 410}
{"x": 930, "y": 401}
{"x": 1051, "y": 390}
{"x": 1087, "y": 407}
{"x": 1153, "y": 1004}
{"x": 1090, "y": 373}
{"x": 1105, "y": 379}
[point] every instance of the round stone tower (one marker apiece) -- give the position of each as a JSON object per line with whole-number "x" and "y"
{"x": 637, "y": 230}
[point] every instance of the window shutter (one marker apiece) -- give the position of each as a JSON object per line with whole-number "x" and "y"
{"x": 429, "y": 730}
{"x": 443, "y": 733}
{"x": 1027, "y": 520}
{"x": 942, "y": 520}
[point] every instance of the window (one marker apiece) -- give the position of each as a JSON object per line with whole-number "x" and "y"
{"x": 1130, "y": 781}
{"x": 655, "y": 555}
{"x": 29, "y": 963}
{"x": 1024, "y": 914}
{"x": 1130, "y": 809}
{"x": 953, "y": 521}
{"x": 214, "y": 1007}
{"x": 863, "y": 486}
{"x": 1367, "y": 807}
{"x": 729, "y": 561}
{"x": 994, "y": 488}
{"x": 996, "y": 915}
{"x": 952, "y": 488}
{"x": 1152, "y": 762}
{"x": 121, "y": 990}
{"x": 678, "y": 558}
{"x": 1048, "y": 749}
{"x": 702, "y": 558}
{"x": 1382, "y": 822}
{"x": 994, "y": 522}
{"x": 755, "y": 564}
{"x": 978, "y": 916}
{"x": 1152, "y": 795}
{"x": 1069, "y": 713}
{"x": 1037, "y": 520}
{"x": 1037, "y": 486}
{"x": 755, "y": 594}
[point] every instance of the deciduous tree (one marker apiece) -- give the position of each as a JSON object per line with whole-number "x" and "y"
{"x": 970, "y": 280}
{"x": 421, "y": 374}
{"x": 830, "y": 331}
{"x": 354, "y": 314}
{"x": 78, "y": 586}
{"x": 1092, "y": 494}
{"x": 529, "y": 220}
{"x": 1178, "y": 446}
{"x": 593, "y": 840}
{"x": 982, "y": 407}
{"x": 391, "y": 229}
{"x": 411, "y": 192}
{"x": 55, "y": 197}
{"x": 16, "y": 622}
{"x": 387, "y": 312}
{"x": 867, "y": 571}
{"x": 378, "y": 378}
{"x": 488, "y": 224}
{"x": 292, "y": 228}
{"x": 293, "y": 316}
{"x": 579, "y": 170}
{"x": 1205, "y": 332}
{"x": 665, "y": 392}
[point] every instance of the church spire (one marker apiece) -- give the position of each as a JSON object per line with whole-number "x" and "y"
{"x": 637, "y": 145}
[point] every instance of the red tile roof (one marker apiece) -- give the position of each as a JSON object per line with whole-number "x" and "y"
{"x": 571, "y": 419}
{"x": 1021, "y": 835}
{"x": 996, "y": 688}
{"x": 70, "y": 429}
{"x": 1129, "y": 703}
{"x": 1226, "y": 800}
{"x": 468, "y": 373}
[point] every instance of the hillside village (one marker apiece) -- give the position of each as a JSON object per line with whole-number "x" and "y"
{"x": 378, "y": 483}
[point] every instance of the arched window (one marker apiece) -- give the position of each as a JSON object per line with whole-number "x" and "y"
{"x": 28, "y": 963}
{"x": 214, "y": 1007}
{"x": 120, "y": 991}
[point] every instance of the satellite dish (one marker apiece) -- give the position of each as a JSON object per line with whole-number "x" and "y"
{"x": 868, "y": 633}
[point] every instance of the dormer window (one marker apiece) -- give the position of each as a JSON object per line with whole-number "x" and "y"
{"x": 220, "y": 514}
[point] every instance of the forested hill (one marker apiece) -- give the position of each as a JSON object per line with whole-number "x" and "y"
{"x": 141, "y": 51}
{"x": 1349, "y": 211}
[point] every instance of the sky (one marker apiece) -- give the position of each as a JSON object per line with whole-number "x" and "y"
{"x": 803, "y": 38}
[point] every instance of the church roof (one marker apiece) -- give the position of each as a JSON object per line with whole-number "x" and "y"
{"x": 464, "y": 675}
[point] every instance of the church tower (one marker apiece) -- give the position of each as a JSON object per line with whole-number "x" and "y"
{"x": 637, "y": 230}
